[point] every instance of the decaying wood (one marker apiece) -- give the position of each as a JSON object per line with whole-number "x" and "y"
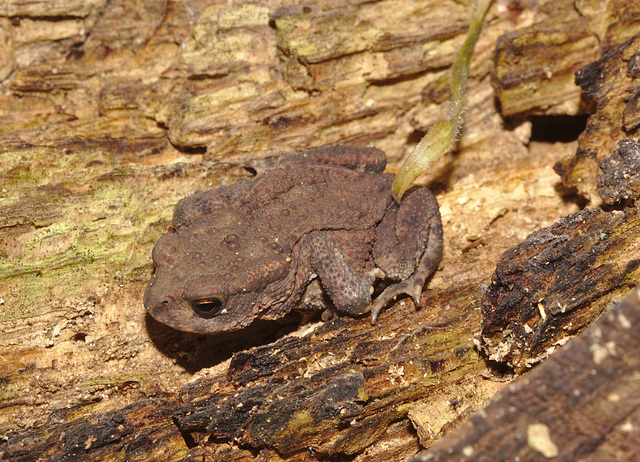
{"x": 123, "y": 434}
{"x": 110, "y": 112}
{"x": 612, "y": 84}
{"x": 558, "y": 281}
{"x": 338, "y": 388}
{"x": 535, "y": 65}
{"x": 620, "y": 178}
{"x": 580, "y": 404}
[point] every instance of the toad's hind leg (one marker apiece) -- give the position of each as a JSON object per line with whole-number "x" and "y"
{"x": 408, "y": 247}
{"x": 350, "y": 293}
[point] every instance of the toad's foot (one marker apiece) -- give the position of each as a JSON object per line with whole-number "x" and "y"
{"x": 411, "y": 287}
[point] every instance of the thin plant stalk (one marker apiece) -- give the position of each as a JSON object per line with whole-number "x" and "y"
{"x": 443, "y": 133}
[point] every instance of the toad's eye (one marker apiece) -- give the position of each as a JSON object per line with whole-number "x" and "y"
{"x": 209, "y": 307}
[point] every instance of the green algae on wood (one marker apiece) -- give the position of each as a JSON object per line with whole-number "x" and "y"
{"x": 66, "y": 232}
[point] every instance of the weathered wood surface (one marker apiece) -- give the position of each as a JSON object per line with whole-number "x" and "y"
{"x": 101, "y": 99}
{"x": 580, "y": 404}
{"x": 535, "y": 65}
{"x": 559, "y": 280}
{"x": 612, "y": 85}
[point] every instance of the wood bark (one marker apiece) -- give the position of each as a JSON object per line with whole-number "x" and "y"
{"x": 580, "y": 404}
{"x": 112, "y": 111}
{"x": 611, "y": 85}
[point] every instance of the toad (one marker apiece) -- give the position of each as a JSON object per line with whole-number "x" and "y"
{"x": 321, "y": 221}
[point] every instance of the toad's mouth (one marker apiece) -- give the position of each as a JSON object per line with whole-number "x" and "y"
{"x": 209, "y": 307}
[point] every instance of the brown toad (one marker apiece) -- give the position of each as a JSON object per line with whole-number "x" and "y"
{"x": 254, "y": 248}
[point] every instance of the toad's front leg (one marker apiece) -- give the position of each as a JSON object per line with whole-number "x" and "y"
{"x": 350, "y": 293}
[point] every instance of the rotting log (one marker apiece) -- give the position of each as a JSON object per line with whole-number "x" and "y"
{"x": 113, "y": 111}
{"x": 556, "y": 282}
{"x": 580, "y": 404}
{"x": 612, "y": 85}
{"x": 534, "y": 65}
